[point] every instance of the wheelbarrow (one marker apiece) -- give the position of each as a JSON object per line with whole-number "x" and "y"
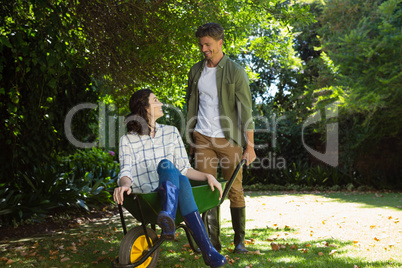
{"x": 140, "y": 246}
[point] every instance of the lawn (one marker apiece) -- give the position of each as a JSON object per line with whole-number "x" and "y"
{"x": 339, "y": 229}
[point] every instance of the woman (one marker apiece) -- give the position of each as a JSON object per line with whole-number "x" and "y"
{"x": 153, "y": 158}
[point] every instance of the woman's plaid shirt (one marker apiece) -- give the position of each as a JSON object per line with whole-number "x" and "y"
{"x": 140, "y": 155}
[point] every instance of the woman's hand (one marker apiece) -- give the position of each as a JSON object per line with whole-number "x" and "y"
{"x": 196, "y": 175}
{"x": 214, "y": 183}
{"x": 118, "y": 194}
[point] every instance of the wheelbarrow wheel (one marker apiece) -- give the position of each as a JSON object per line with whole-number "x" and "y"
{"x": 133, "y": 245}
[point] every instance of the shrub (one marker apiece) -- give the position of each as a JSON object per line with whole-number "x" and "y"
{"x": 84, "y": 179}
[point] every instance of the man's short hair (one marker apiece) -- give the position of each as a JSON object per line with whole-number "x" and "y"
{"x": 211, "y": 29}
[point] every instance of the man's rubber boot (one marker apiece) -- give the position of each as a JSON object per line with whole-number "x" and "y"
{"x": 239, "y": 227}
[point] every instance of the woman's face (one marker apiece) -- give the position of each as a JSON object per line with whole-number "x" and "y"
{"x": 155, "y": 107}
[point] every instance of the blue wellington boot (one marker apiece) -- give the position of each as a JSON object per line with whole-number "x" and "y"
{"x": 166, "y": 218}
{"x": 197, "y": 229}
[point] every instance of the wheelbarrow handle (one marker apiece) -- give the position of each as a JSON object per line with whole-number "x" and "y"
{"x": 231, "y": 180}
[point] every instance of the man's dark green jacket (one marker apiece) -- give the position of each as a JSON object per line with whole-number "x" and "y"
{"x": 235, "y": 106}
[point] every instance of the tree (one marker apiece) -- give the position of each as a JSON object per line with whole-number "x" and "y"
{"x": 361, "y": 41}
{"x": 134, "y": 44}
{"x": 41, "y": 78}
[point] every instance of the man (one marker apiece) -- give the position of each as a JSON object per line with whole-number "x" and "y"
{"x": 220, "y": 124}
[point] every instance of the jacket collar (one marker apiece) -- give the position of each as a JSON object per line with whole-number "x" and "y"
{"x": 221, "y": 64}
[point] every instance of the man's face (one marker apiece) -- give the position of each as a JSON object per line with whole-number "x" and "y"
{"x": 210, "y": 47}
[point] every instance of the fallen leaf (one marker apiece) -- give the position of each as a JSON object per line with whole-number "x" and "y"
{"x": 257, "y": 252}
{"x": 230, "y": 260}
{"x": 53, "y": 252}
{"x": 65, "y": 259}
{"x": 303, "y": 250}
{"x": 332, "y": 252}
{"x": 101, "y": 258}
{"x": 249, "y": 241}
{"x": 274, "y": 246}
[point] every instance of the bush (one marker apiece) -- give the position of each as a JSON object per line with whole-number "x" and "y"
{"x": 97, "y": 170}
{"x": 84, "y": 179}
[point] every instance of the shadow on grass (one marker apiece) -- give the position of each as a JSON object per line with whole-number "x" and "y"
{"x": 392, "y": 200}
{"x": 290, "y": 253}
{"x": 90, "y": 245}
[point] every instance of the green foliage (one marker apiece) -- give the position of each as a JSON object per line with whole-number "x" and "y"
{"x": 152, "y": 44}
{"x": 40, "y": 81}
{"x": 97, "y": 169}
{"x": 359, "y": 68}
{"x": 34, "y": 193}
{"x": 85, "y": 179}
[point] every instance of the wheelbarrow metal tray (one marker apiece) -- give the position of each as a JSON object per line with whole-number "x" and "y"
{"x": 150, "y": 203}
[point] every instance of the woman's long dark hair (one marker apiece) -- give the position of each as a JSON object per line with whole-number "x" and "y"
{"x": 137, "y": 121}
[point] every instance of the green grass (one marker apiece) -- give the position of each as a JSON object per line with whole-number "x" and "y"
{"x": 294, "y": 253}
{"x": 97, "y": 244}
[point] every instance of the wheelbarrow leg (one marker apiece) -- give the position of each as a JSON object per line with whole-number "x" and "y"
{"x": 123, "y": 222}
{"x": 190, "y": 238}
{"x": 211, "y": 220}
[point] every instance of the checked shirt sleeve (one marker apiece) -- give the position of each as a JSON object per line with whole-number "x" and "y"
{"x": 125, "y": 155}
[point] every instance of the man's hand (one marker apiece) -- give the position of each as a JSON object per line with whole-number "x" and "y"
{"x": 249, "y": 155}
{"x": 212, "y": 182}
